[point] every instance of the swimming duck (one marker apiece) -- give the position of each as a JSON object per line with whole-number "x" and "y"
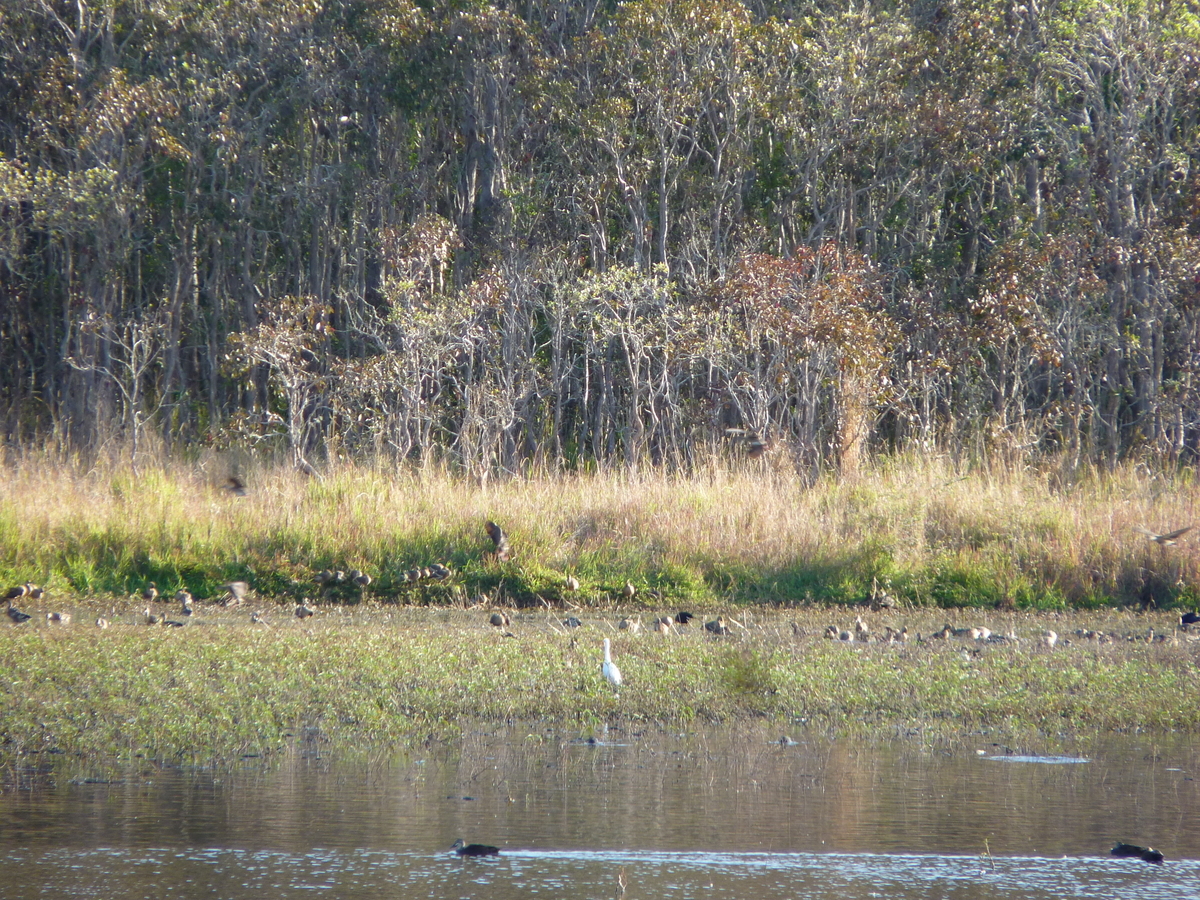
{"x": 474, "y": 849}
{"x": 1149, "y": 854}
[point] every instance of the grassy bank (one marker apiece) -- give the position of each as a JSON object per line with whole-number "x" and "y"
{"x": 1011, "y": 549}
{"x": 935, "y": 535}
{"x": 220, "y": 688}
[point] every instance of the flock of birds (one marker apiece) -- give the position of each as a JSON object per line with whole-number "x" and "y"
{"x": 236, "y": 592}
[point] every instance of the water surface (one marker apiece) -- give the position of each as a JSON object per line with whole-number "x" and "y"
{"x": 711, "y": 813}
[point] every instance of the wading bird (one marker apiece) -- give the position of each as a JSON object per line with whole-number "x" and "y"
{"x": 474, "y": 849}
{"x": 610, "y": 671}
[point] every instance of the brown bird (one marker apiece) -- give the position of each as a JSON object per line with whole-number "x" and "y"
{"x": 572, "y": 583}
{"x": 35, "y": 592}
{"x": 362, "y": 579}
{"x": 629, "y": 590}
{"x": 496, "y": 533}
{"x": 663, "y": 625}
{"x": 236, "y": 593}
{"x": 185, "y": 603}
{"x": 59, "y": 618}
{"x": 235, "y": 486}
{"x": 1163, "y": 540}
{"x": 150, "y": 594}
{"x": 16, "y": 593}
{"x": 633, "y": 626}
{"x": 101, "y": 622}
{"x": 499, "y": 620}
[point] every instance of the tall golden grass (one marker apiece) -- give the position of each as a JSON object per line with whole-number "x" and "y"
{"x": 929, "y": 531}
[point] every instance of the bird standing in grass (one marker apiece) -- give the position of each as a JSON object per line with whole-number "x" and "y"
{"x": 235, "y": 593}
{"x": 150, "y": 594}
{"x": 610, "y": 671}
{"x": 496, "y": 533}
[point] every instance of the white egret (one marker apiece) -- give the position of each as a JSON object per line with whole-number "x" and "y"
{"x": 611, "y": 673}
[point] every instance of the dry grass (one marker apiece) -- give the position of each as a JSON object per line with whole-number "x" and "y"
{"x": 935, "y": 535}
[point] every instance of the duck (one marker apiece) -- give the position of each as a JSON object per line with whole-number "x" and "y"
{"x": 236, "y": 591}
{"x": 36, "y": 592}
{"x": 303, "y": 611}
{"x": 464, "y": 849}
{"x": 17, "y": 592}
{"x": 499, "y": 540}
{"x": 101, "y": 622}
{"x": 16, "y": 615}
{"x": 58, "y": 618}
{"x": 683, "y": 617}
{"x": 1049, "y": 639}
{"x": 572, "y": 622}
{"x": 150, "y": 594}
{"x": 630, "y": 591}
{"x": 572, "y": 583}
{"x": 1149, "y": 854}
{"x": 663, "y": 625}
{"x": 717, "y": 626}
{"x": 633, "y": 626}
{"x": 499, "y": 620}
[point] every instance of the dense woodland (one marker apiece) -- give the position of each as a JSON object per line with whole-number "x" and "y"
{"x": 593, "y": 233}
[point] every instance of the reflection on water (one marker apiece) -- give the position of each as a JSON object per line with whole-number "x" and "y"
{"x": 714, "y": 814}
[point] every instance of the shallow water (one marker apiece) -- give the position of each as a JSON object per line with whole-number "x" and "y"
{"x": 706, "y": 814}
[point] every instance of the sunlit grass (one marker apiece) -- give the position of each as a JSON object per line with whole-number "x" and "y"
{"x": 935, "y": 535}
{"x": 219, "y": 690}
